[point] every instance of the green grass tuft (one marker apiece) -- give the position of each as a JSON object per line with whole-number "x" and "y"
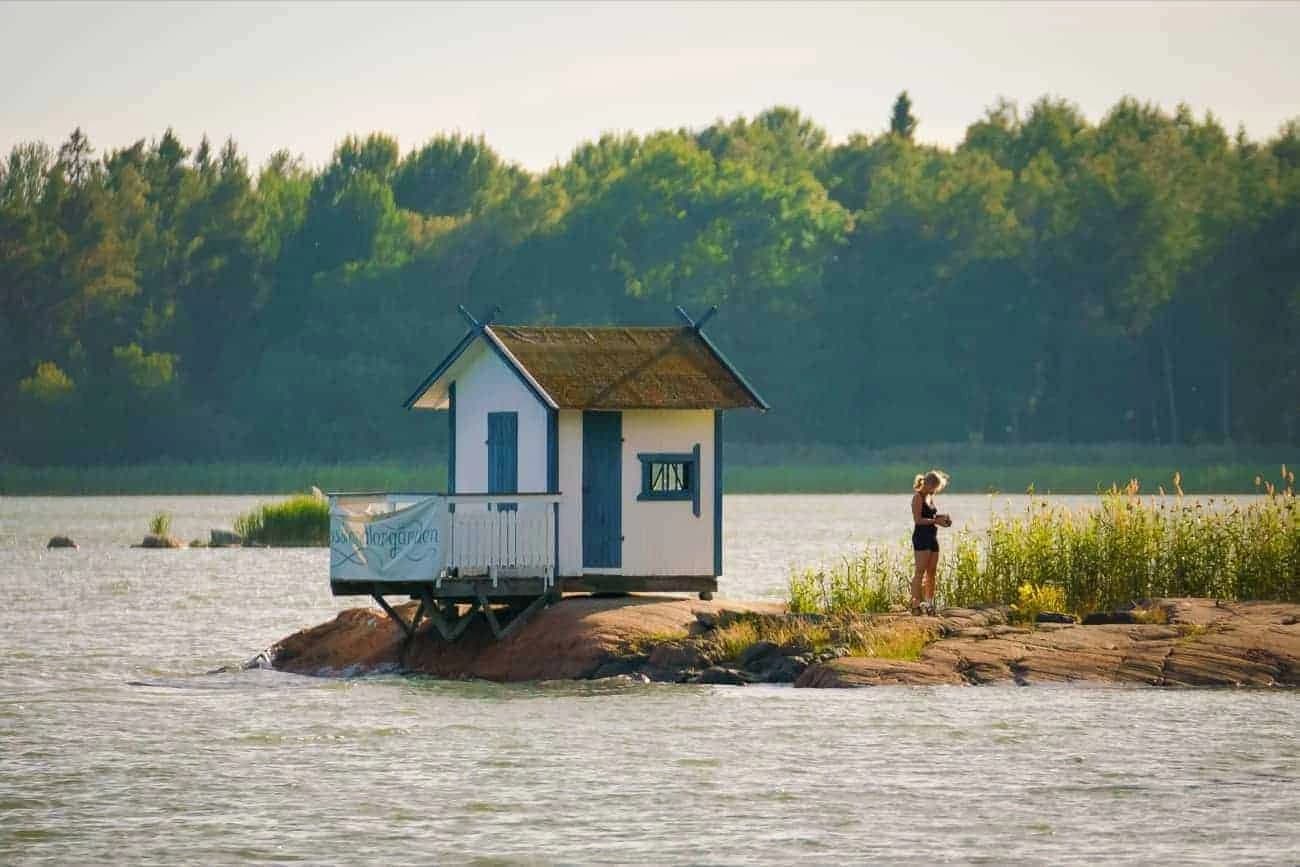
{"x": 900, "y": 639}
{"x": 299, "y": 522}
{"x": 161, "y": 524}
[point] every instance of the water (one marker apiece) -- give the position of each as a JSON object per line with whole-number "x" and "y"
{"x": 116, "y": 745}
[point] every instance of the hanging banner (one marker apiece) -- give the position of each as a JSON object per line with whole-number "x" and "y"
{"x": 406, "y": 545}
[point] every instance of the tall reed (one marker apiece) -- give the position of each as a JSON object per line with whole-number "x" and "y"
{"x": 299, "y": 522}
{"x": 1127, "y": 547}
{"x": 161, "y": 524}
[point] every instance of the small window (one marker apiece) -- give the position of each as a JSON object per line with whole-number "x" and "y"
{"x": 671, "y": 477}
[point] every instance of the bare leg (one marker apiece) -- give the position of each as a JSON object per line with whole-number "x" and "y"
{"x": 922, "y": 560}
{"x": 931, "y": 577}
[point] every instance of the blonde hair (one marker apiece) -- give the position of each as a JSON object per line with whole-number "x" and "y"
{"x": 937, "y": 478}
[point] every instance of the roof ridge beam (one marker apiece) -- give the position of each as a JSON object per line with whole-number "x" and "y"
{"x": 696, "y": 324}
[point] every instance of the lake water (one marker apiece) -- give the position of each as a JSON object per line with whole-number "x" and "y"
{"x": 115, "y": 745}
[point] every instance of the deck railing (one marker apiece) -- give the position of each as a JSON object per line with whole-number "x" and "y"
{"x": 488, "y": 536}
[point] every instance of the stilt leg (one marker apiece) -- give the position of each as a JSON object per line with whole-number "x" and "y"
{"x": 397, "y": 618}
{"x": 463, "y": 622}
{"x": 489, "y": 615}
{"x": 524, "y": 616}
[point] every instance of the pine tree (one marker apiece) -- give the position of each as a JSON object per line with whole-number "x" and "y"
{"x": 902, "y": 123}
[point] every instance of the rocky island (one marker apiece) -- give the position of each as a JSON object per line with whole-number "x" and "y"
{"x": 1165, "y": 642}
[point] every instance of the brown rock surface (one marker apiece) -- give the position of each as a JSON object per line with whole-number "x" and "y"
{"x": 568, "y": 640}
{"x": 1203, "y": 644}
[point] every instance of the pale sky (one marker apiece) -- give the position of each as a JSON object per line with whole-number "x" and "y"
{"x": 536, "y": 79}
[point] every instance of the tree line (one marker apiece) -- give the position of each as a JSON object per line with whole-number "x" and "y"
{"x": 1049, "y": 279}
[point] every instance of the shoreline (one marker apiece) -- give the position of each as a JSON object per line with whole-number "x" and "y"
{"x": 1190, "y": 642}
{"x": 748, "y": 469}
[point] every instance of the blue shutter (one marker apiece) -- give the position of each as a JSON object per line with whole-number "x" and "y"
{"x": 503, "y": 454}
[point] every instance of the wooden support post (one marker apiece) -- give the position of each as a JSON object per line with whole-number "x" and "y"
{"x": 524, "y": 616}
{"x": 434, "y": 612}
{"x": 463, "y": 622}
{"x": 397, "y": 618}
{"x": 489, "y": 615}
{"x": 427, "y": 604}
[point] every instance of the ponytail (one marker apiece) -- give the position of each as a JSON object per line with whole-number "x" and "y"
{"x": 937, "y": 478}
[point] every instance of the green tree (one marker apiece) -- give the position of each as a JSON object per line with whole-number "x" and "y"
{"x": 902, "y": 122}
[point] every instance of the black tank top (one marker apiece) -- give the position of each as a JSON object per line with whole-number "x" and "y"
{"x": 925, "y": 532}
{"x": 928, "y": 511}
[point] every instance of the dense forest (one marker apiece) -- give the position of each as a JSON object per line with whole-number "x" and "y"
{"x": 1049, "y": 279}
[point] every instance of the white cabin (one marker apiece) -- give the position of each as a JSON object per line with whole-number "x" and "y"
{"x": 623, "y": 424}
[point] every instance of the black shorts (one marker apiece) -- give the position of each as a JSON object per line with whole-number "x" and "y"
{"x": 925, "y": 541}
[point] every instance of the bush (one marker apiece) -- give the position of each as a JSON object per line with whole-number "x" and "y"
{"x": 301, "y": 521}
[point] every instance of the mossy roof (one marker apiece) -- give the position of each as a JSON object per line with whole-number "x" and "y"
{"x": 627, "y": 368}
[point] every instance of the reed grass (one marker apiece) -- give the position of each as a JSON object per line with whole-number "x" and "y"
{"x": 299, "y": 522}
{"x": 1128, "y": 547}
{"x": 161, "y": 524}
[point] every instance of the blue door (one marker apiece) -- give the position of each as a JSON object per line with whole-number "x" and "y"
{"x": 602, "y": 489}
{"x": 503, "y": 455}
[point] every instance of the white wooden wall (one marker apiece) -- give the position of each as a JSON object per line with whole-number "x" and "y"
{"x": 484, "y": 383}
{"x": 660, "y": 538}
{"x": 665, "y": 538}
{"x": 571, "y": 487}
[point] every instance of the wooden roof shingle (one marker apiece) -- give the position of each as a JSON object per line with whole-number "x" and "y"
{"x": 627, "y": 367}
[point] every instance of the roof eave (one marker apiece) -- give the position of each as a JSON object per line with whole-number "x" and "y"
{"x": 442, "y": 368}
{"x": 762, "y": 405}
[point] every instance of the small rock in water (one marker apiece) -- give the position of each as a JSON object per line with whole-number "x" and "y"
{"x": 224, "y": 539}
{"x": 152, "y": 541}
{"x": 717, "y": 674}
{"x": 61, "y": 542}
{"x": 781, "y": 669}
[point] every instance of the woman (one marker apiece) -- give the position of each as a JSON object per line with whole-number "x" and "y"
{"x": 925, "y": 538}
